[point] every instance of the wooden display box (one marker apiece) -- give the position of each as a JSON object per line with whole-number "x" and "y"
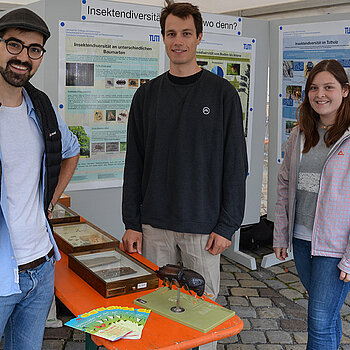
{"x": 112, "y": 272}
{"x": 61, "y": 214}
{"x": 76, "y": 237}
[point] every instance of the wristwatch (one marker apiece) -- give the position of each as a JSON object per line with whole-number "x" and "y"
{"x": 50, "y": 208}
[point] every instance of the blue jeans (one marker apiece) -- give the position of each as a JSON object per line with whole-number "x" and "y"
{"x": 23, "y": 316}
{"x": 327, "y": 293}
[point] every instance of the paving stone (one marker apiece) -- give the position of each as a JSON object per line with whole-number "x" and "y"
{"x": 244, "y": 311}
{"x": 288, "y": 264}
{"x": 220, "y": 347}
{"x": 293, "y": 269}
{"x": 347, "y": 299}
{"x": 295, "y": 312}
{"x": 275, "y": 269}
{"x": 252, "y": 337}
{"x": 240, "y": 347}
{"x": 269, "y": 347}
{"x": 259, "y": 302}
{"x": 291, "y": 294}
{"x": 298, "y": 286}
{"x": 300, "y": 337}
{"x": 271, "y": 312}
{"x": 229, "y": 283}
{"x": 243, "y": 276}
{"x": 345, "y": 340}
{"x": 290, "y": 325}
{"x": 243, "y": 292}
{"x": 345, "y": 347}
{"x": 75, "y": 346}
{"x": 295, "y": 347}
{"x": 288, "y": 277}
{"x": 283, "y": 302}
{"x": 224, "y": 290}
{"x": 345, "y": 310}
{"x": 50, "y": 344}
{"x": 233, "y": 339}
{"x": 263, "y": 324}
{"x": 221, "y": 300}
{"x": 230, "y": 268}
{"x": 279, "y": 337}
{"x": 227, "y": 276}
{"x": 262, "y": 275}
{"x": 346, "y": 327}
{"x": 268, "y": 292}
{"x": 240, "y": 301}
{"x": 247, "y": 325}
{"x": 58, "y": 333}
{"x": 78, "y": 335}
{"x": 275, "y": 284}
{"x": 252, "y": 284}
{"x": 303, "y": 303}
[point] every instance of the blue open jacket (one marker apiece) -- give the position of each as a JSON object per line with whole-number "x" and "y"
{"x": 9, "y": 279}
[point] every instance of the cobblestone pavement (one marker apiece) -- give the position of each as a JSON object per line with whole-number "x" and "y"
{"x": 271, "y": 302}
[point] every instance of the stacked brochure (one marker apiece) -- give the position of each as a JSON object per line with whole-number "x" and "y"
{"x": 112, "y": 322}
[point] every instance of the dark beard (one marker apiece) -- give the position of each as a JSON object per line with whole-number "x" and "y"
{"x": 16, "y": 80}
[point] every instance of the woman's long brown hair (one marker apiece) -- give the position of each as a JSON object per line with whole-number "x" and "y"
{"x": 308, "y": 118}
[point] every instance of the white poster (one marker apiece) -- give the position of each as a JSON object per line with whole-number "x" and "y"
{"x": 100, "y": 68}
{"x": 301, "y": 47}
{"x": 232, "y": 58}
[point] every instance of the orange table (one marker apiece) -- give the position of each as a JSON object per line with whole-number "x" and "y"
{"x": 159, "y": 332}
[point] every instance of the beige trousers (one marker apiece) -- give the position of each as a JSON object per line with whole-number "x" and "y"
{"x": 169, "y": 247}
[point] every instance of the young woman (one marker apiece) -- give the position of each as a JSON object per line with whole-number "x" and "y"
{"x": 313, "y": 201}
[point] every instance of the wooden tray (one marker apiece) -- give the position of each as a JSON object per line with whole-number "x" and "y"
{"x": 61, "y": 214}
{"x": 112, "y": 272}
{"x": 76, "y": 237}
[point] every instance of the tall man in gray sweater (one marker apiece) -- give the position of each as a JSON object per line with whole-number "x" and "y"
{"x": 186, "y": 163}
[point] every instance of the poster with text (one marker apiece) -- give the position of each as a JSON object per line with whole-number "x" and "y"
{"x": 100, "y": 68}
{"x": 302, "y": 46}
{"x": 234, "y": 60}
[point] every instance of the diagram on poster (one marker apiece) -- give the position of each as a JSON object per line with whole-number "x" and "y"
{"x": 233, "y": 60}
{"x": 301, "y": 48}
{"x": 100, "y": 70}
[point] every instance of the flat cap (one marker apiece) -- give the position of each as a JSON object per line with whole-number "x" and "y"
{"x": 23, "y": 18}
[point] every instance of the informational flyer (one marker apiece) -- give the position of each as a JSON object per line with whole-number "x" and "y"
{"x": 302, "y": 46}
{"x": 100, "y": 68}
{"x": 112, "y": 322}
{"x": 234, "y": 60}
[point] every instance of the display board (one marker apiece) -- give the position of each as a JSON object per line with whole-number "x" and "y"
{"x": 300, "y": 48}
{"x": 100, "y": 68}
{"x": 296, "y": 45}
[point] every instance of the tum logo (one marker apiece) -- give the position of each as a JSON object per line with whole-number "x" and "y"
{"x": 153, "y": 37}
{"x": 347, "y": 30}
{"x": 247, "y": 46}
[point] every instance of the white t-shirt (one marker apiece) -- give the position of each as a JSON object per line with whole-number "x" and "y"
{"x": 22, "y": 149}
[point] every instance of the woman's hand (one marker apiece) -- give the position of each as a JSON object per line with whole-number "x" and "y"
{"x": 344, "y": 276}
{"x": 281, "y": 253}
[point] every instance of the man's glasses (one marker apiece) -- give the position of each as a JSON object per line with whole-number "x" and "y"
{"x": 15, "y": 47}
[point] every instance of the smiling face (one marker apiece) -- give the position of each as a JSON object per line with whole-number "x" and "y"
{"x": 181, "y": 42}
{"x": 16, "y": 70}
{"x": 326, "y": 96}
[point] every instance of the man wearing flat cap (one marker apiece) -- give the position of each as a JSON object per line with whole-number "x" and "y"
{"x": 38, "y": 156}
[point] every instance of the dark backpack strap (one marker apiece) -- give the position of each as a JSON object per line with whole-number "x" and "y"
{"x": 52, "y": 139}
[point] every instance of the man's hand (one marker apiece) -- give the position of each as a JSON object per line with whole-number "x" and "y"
{"x": 344, "y": 276}
{"x": 281, "y": 253}
{"x": 217, "y": 244}
{"x": 132, "y": 241}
